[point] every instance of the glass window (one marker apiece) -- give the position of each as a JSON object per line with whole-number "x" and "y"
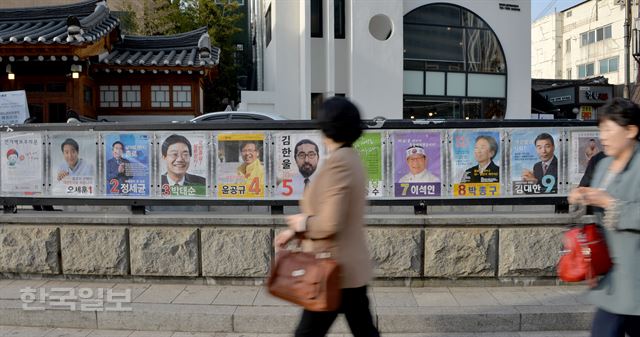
{"x": 569, "y": 73}
{"x": 316, "y": 18}
{"x": 160, "y": 96}
{"x": 438, "y": 14}
{"x": 181, "y": 96}
{"x": 267, "y": 24}
{"x": 609, "y": 65}
{"x": 607, "y": 32}
{"x": 109, "y": 96}
{"x": 131, "y": 96}
{"x": 88, "y": 95}
{"x": 431, "y": 108}
{"x": 567, "y": 47}
{"x": 613, "y": 64}
{"x": 584, "y": 39}
{"x": 434, "y": 83}
{"x": 456, "y": 85}
{"x": 484, "y": 85}
{"x": 590, "y": 69}
{"x": 413, "y": 82}
{"x": 483, "y": 52}
{"x": 419, "y": 42}
{"x": 339, "y": 19}
{"x": 592, "y": 36}
{"x": 599, "y": 34}
{"x": 56, "y": 87}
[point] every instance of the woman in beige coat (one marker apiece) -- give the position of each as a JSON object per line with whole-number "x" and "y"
{"x": 332, "y": 220}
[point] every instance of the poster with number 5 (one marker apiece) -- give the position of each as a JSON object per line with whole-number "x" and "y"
{"x": 126, "y": 164}
{"x": 298, "y": 156}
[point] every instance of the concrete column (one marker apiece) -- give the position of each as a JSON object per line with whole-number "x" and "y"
{"x": 330, "y": 50}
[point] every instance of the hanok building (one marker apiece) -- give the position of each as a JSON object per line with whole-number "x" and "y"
{"x": 74, "y": 57}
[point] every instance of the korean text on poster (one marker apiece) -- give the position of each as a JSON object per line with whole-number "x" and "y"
{"x": 475, "y": 163}
{"x": 183, "y": 164}
{"x": 73, "y": 164}
{"x": 417, "y": 164}
{"x": 126, "y": 165}
{"x": 534, "y": 161}
{"x": 22, "y": 159}
{"x": 298, "y": 156}
{"x": 583, "y": 147}
{"x": 369, "y": 146}
{"x": 240, "y": 170}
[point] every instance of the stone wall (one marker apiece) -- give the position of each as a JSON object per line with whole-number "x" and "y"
{"x": 416, "y": 247}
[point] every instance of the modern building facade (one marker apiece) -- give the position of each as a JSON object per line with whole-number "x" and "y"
{"x": 395, "y": 59}
{"x": 583, "y": 41}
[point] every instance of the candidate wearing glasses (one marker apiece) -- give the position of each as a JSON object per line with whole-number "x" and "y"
{"x": 176, "y": 154}
{"x": 307, "y": 156}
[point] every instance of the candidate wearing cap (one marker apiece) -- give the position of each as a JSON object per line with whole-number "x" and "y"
{"x": 417, "y": 163}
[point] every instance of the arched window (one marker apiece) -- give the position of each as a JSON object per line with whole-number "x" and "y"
{"x": 454, "y": 66}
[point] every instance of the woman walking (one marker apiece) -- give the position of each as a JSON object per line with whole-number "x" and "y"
{"x": 332, "y": 220}
{"x": 615, "y": 193}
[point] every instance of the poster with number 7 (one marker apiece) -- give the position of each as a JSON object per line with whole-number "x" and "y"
{"x": 298, "y": 156}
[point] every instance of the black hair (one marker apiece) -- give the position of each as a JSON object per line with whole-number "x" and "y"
{"x": 622, "y": 112}
{"x": 493, "y": 144}
{"x": 544, "y": 136}
{"x": 117, "y": 142}
{"x": 254, "y": 142}
{"x": 305, "y": 141}
{"x": 339, "y": 119}
{"x": 71, "y": 142}
{"x": 174, "y": 139}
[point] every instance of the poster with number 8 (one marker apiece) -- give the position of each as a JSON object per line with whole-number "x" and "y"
{"x": 298, "y": 156}
{"x": 534, "y": 161}
{"x": 240, "y": 169}
{"x": 476, "y": 163}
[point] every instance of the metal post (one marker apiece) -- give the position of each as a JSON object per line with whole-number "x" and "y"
{"x": 627, "y": 50}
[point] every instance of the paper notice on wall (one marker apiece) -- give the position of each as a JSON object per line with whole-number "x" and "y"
{"x": 13, "y": 107}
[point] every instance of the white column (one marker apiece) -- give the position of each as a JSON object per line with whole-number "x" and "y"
{"x": 330, "y": 50}
{"x": 305, "y": 59}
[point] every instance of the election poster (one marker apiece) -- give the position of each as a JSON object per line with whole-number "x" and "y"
{"x": 369, "y": 147}
{"x": 583, "y": 146}
{"x": 535, "y": 161}
{"x": 240, "y": 170}
{"x": 183, "y": 164}
{"x": 22, "y": 163}
{"x": 13, "y": 107}
{"x": 126, "y": 164}
{"x": 298, "y": 156}
{"x": 417, "y": 164}
{"x": 475, "y": 163}
{"x": 73, "y": 159}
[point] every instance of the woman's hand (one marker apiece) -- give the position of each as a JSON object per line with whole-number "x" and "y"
{"x": 590, "y": 196}
{"x": 296, "y": 222}
{"x": 283, "y": 238}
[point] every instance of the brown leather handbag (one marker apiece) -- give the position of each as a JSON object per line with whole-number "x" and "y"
{"x": 311, "y": 280}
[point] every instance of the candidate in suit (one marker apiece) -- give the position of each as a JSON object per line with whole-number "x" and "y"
{"x": 485, "y": 149}
{"x": 118, "y": 167}
{"x": 332, "y": 220}
{"x": 548, "y": 164}
{"x": 176, "y": 153}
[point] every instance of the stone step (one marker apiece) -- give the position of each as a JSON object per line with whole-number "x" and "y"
{"x": 282, "y": 319}
{"x": 18, "y": 331}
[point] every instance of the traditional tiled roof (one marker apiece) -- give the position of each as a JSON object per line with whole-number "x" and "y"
{"x": 75, "y": 24}
{"x": 191, "y": 49}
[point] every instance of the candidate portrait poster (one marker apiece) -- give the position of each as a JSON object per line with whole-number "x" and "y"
{"x": 417, "y": 164}
{"x": 126, "y": 164}
{"x": 369, "y": 147}
{"x": 475, "y": 163}
{"x": 298, "y": 157}
{"x": 22, "y": 162}
{"x": 240, "y": 167}
{"x": 73, "y": 159}
{"x": 582, "y": 147}
{"x": 535, "y": 161}
{"x": 183, "y": 164}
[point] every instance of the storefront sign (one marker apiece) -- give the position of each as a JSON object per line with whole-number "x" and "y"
{"x": 599, "y": 95}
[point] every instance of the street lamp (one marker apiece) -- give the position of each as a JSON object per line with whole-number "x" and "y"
{"x": 10, "y": 75}
{"x": 75, "y": 70}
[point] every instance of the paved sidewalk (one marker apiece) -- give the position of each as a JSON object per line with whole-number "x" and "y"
{"x": 250, "y": 310}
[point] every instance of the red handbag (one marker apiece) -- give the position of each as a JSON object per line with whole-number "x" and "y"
{"x": 585, "y": 255}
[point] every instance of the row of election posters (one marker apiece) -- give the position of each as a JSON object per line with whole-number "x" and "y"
{"x": 459, "y": 163}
